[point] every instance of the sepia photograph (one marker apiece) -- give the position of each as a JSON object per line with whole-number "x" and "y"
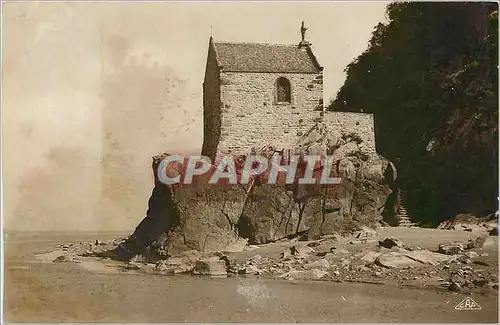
{"x": 249, "y": 162}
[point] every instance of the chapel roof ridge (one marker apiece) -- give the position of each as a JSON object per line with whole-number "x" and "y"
{"x": 254, "y": 43}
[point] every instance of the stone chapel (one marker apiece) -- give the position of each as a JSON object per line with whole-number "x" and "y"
{"x": 257, "y": 95}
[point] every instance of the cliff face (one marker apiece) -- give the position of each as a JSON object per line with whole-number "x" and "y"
{"x": 209, "y": 217}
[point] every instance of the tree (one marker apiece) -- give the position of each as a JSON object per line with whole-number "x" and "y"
{"x": 430, "y": 78}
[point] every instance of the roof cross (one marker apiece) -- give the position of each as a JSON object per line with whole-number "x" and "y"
{"x": 303, "y": 30}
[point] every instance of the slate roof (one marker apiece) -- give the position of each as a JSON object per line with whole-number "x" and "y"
{"x": 256, "y": 57}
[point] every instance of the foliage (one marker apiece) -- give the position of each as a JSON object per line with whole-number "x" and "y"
{"x": 351, "y": 137}
{"x": 430, "y": 76}
{"x": 363, "y": 156}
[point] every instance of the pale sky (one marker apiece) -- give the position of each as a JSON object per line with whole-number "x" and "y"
{"x": 66, "y": 63}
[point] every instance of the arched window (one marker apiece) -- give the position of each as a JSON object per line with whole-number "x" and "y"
{"x": 283, "y": 90}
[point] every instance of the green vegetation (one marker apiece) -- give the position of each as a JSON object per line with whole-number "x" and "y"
{"x": 430, "y": 77}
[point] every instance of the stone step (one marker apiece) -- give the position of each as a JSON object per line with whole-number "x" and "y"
{"x": 404, "y": 216}
{"x": 405, "y": 221}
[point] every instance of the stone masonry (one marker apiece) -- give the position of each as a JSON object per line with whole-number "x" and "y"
{"x": 251, "y": 117}
{"x": 361, "y": 124}
{"x": 240, "y": 99}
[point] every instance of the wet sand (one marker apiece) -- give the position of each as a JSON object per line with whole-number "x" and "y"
{"x": 53, "y": 292}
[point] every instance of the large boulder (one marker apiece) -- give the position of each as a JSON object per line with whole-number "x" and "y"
{"x": 208, "y": 217}
{"x": 186, "y": 217}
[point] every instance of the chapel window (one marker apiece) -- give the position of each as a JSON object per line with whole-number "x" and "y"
{"x": 283, "y": 90}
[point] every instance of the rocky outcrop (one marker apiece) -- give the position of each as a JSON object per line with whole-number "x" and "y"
{"x": 207, "y": 217}
{"x": 469, "y": 222}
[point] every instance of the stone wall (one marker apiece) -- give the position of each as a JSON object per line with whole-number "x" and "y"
{"x": 360, "y": 123}
{"x": 251, "y": 117}
{"x": 241, "y": 112}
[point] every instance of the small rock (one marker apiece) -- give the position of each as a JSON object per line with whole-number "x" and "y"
{"x": 451, "y": 248}
{"x": 345, "y": 262}
{"x": 98, "y": 242}
{"x": 321, "y": 264}
{"x": 210, "y": 267}
{"x": 365, "y": 233}
{"x": 328, "y": 237}
{"x": 471, "y": 254}
{"x": 255, "y": 259}
{"x": 453, "y": 286}
{"x": 316, "y": 273}
{"x": 286, "y": 255}
{"x": 250, "y": 248}
{"x": 301, "y": 250}
{"x": 480, "y": 282}
{"x": 252, "y": 270}
{"x": 161, "y": 266}
{"x": 287, "y": 274}
{"x": 484, "y": 254}
{"x": 299, "y": 257}
{"x": 370, "y": 257}
{"x": 468, "y": 284}
{"x": 399, "y": 249}
{"x": 230, "y": 262}
{"x": 395, "y": 260}
{"x": 176, "y": 265}
{"x": 490, "y": 241}
{"x": 295, "y": 274}
{"x": 313, "y": 244}
{"x": 476, "y": 243}
{"x": 61, "y": 258}
{"x": 132, "y": 266}
{"x": 390, "y": 242}
{"x": 462, "y": 259}
{"x": 427, "y": 257}
{"x": 238, "y": 246}
{"x": 137, "y": 259}
{"x": 330, "y": 256}
{"x": 336, "y": 273}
